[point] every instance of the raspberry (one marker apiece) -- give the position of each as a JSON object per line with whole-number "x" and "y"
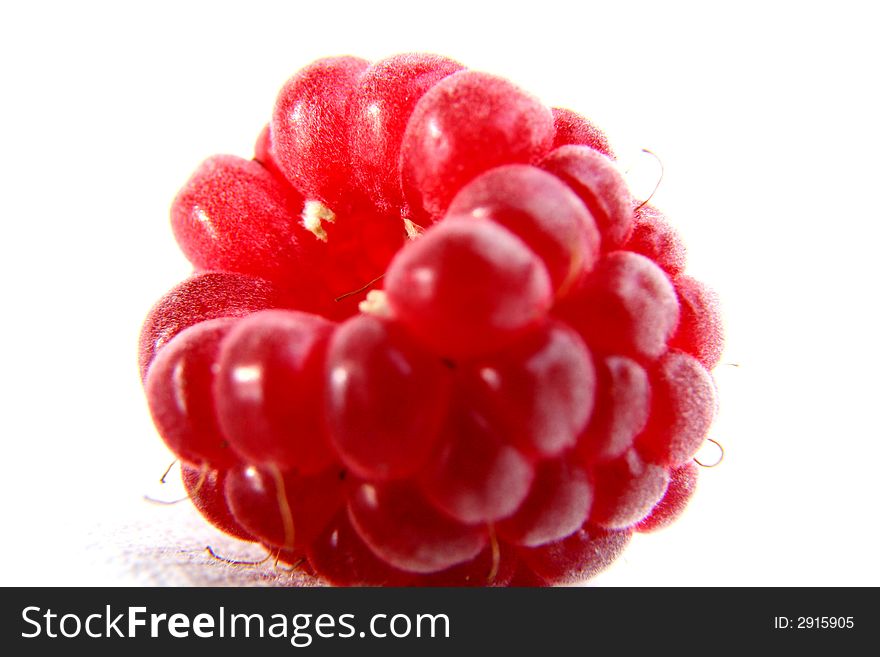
{"x": 431, "y": 339}
{"x": 595, "y": 178}
{"x": 585, "y": 553}
{"x": 284, "y": 510}
{"x": 268, "y": 383}
{"x": 539, "y": 392}
{"x": 700, "y": 332}
{"x": 402, "y": 528}
{"x": 206, "y": 490}
{"x": 178, "y": 389}
{"x": 558, "y": 504}
{"x": 476, "y": 270}
{"x": 309, "y": 128}
{"x": 476, "y": 476}
{"x": 623, "y": 403}
{"x": 468, "y": 123}
{"x": 233, "y": 215}
{"x": 655, "y": 238}
{"x": 626, "y": 306}
{"x": 682, "y": 484}
{"x": 263, "y": 153}
{"x": 626, "y": 491}
{"x": 572, "y": 128}
{"x": 380, "y": 108}
{"x": 539, "y": 209}
{"x": 682, "y": 408}
{"x": 385, "y": 398}
{"x": 204, "y": 296}
{"x": 341, "y": 558}
{"x": 524, "y": 576}
{"x": 486, "y": 569}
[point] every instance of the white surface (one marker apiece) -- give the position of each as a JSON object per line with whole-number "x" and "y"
{"x": 765, "y": 118}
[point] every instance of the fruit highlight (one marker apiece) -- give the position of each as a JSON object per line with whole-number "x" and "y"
{"x": 430, "y": 338}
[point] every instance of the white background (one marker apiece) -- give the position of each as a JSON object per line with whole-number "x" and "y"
{"x": 765, "y": 118}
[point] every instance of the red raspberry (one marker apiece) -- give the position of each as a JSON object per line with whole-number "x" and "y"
{"x": 178, "y": 389}
{"x": 595, "y": 178}
{"x": 476, "y": 476}
{"x": 622, "y": 407}
{"x": 264, "y": 153}
{"x": 467, "y": 288}
{"x": 585, "y": 553}
{"x": 655, "y": 238}
{"x": 526, "y": 577}
{"x": 700, "y": 332}
{"x": 558, "y": 503}
{"x": 233, "y": 215}
{"x": 627, "y": 305}
{"x": 626, "y": 490}
{"x": 539, "y": 209}
{"x": 204, "y": 296}
{"x": 539, "y": 391}
{"x": 284, "y": 509}
{"x": 468, "y": 123}
{"x": 269, "y": 374}
{"x": 486, "y": 569}
{"x": 439, "y": 344}
{"x": 310, "y": 128}
{"x": 206, "y": 490}
{"x": 341, "y": 558}
{"x": 402, "y": 528}
{"x": 379, "y": 111}
{"x": 386, "y": 399}
{"x": 682, "y": 408}
{"x": 682, "y": 484}
{"x": 572, "y": 128}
